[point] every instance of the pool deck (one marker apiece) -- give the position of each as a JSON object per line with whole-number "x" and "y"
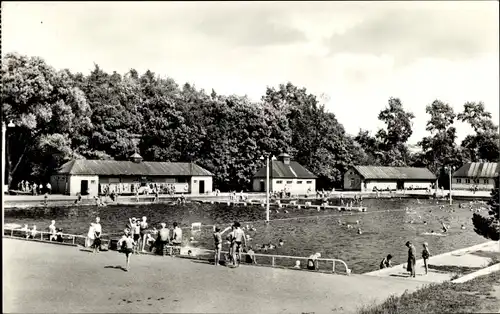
{"x": 458, "y": 258}
{"x": 50, "y": 278}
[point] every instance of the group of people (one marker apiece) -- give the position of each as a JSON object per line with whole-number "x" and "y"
{"x": 55, "y": 234}
{"x": 137, "y": 237}
{"x": 34, "y": 188}
{"x": 412, "y": 259}
{"x": 237, "y": 241}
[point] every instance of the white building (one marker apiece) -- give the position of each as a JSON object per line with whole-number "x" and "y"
{"x": 370, "y": 178}
{"x": 94, "y": 177}
{"x": 285, "y": 174}
{"x": 476, "y": 174}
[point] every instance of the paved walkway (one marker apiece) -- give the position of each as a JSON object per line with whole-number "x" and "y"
{"x": 458, "y": 258}
{"x": 57, "y": 279}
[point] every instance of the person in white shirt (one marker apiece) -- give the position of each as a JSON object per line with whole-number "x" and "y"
{"x": 97, "y": 235}
{"x": 52, "y": 230}
{"x": 90, "y": 236}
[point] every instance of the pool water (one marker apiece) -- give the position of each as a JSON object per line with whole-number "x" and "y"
{"x": 386, "y": 227}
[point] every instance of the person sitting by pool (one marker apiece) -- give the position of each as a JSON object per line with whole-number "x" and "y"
{"x": 386, "y": 262}
{"x": 59, "y": 236}
{"x": 250, "y": 256}
{"x": 26, "y": 231}
{"x": 150, "y": 242}
{"x": 312, "y": 262}
{"x": 297, "y": 265}
{"x": 271, "y": 246}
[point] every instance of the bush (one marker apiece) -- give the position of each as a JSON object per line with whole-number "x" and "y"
{"x": 489, "y": 227}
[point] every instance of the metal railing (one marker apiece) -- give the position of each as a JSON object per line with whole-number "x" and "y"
{"x": 45, "y": 236}
{"x": 270, "y": 258}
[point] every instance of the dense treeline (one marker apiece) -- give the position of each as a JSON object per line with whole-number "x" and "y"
{"x": 61, "y": 115}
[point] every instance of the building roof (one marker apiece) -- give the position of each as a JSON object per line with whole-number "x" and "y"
{"x": 130, "y": 168}
{"x": 398, "y": 173}
{"x": 279, "y": 170}
{"x": 478, "y": 170}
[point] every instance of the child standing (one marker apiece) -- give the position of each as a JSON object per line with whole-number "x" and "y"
{"x": 425, "y": 255}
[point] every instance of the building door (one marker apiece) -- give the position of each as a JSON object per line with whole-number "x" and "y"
{"x": 202, "y": 187}
{"x": 262, "y": 186}
{"x": 84, "y": 186}
{"x": 400, "y": 185}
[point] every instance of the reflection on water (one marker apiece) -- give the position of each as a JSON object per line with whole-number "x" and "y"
{"x": 386, "y": 227}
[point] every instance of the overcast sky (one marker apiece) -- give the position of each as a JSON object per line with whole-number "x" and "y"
{"x": 357, "y": 53}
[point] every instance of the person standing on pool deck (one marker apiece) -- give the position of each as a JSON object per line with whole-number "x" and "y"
{"x": 425, "y": 256}
{"x": 411, "y": 259}
{"x": 97, "y": 235}
{"x": 143, "y": 226}
{"x": 126, "y": 243}
{"x": 90, "y": 236}
{"x": 52, "y": 230}
{"x": 176, "y": 238}
{"x": 239, "y": 238}
{"x": 218, "y": 243}
{"x": 163, "y": 239}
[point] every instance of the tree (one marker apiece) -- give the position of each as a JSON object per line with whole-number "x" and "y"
{"x": 44, "y": 104}
{"x": 484, "y": 144}
{"x": 392, "y": 146}
{"x": 489, "y": 227}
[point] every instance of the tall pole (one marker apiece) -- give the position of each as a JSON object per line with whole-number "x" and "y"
{"x": 267, "y": 189}
{"x": 4, "y": 131}
{"x": 450, "y": 169}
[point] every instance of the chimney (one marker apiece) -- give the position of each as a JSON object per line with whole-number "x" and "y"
{"x": 136, "y": 158}
{"x": 285, "y": 158}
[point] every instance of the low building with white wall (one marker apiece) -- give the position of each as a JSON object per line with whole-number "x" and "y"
{"x": 285, "y": 175}
{"x": 371, "y": 178}
{"x": 480, "y": 175}
{"x": 97, "y": 177}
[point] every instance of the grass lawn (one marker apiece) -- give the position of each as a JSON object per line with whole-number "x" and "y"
{"x": 480, "y": 295}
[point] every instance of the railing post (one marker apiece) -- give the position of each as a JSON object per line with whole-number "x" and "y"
{"x": 333, "y": 269}
{"x": 272, "y": 261}
{"x": 41, "y": 236}
{"x": 11, "y": 232}
{"x": 73, "y": 239}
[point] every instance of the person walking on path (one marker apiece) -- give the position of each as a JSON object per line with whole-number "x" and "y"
{"x": 425, "y": 256}
{"x": 126, "y": 244}
{"x": 411, "y": 259}
{"x": 176, "y": 238}
{"x": 49, "y": 188}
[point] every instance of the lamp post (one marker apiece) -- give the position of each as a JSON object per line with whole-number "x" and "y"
{"x": 267, "y": 183}
{"x": 4, "y": 139}
{"x": 450, "y": 170}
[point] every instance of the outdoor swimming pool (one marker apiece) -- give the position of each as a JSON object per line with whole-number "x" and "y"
{"x": 386, "y": 226}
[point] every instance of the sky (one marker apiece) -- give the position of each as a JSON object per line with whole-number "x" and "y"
{"x": 352, "y": 55}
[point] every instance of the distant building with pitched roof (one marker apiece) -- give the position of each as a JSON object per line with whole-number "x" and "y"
{"x": 476, "y": 174}
{"x": 285, "y": 174}
{"x": 370, "y": 178}
{"x": 94, "y": 177}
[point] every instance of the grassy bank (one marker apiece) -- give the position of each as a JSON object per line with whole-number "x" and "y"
{"x": 480, "y": 295}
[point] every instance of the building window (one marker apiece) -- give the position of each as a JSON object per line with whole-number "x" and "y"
{"x": 279, "y": 182}
{"x": 289, "y": 182}
{"x": 486, "y": 181}
{"x": 92, "y": 182}
{"x": 299, "y": 182}
{"x": 467, "y": 180}
{"x": 459, "y": 180}
{"x": 476, "y": 181}
{"x": 309, "y": 182}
